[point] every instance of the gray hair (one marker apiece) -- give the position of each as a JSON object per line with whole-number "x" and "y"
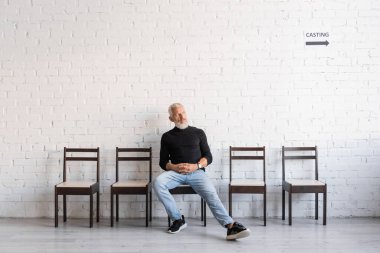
{"x": 173, "y": 106}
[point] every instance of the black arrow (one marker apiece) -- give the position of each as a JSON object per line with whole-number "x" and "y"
{"x": 316, "y": 43}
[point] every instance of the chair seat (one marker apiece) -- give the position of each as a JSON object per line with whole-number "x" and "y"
{"x": 131, "y": 183}
{"x": 76, "y": 184}
{"x": 305, "y": 182}
{"x": 182, "y": 189}
{"x": 247, "y": 182}
{"x": 183, "y": 186}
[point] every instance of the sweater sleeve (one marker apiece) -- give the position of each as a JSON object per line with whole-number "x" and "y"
{"x": 164, "y": 153}
{"x": 205, "y": 149}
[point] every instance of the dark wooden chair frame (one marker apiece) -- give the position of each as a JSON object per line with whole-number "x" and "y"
{"x": 286, "y": 186}
{"x": 94, "y": 188}
{"x": 247, "y": 189}
{"x": 186, "y": 189}
{"x": 133, "y": 190}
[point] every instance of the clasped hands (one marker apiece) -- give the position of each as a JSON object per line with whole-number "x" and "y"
{"x": 186, "y": 168}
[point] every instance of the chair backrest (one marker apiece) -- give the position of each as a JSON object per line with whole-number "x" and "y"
{"x": 120, "y": 158}
{"x": 80, "y": 158}
{"x": 253, "y": 156}
{"x": 285, "y": 156}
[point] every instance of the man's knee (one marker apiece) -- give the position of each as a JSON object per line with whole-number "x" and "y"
{"x": 159, "y": 183}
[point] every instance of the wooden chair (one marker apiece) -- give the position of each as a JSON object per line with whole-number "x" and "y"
{"x": 186, "y": 189}
{"x": 302, "y": 185}
{"x": 78, "y": 187}
{"x": 248, "y": 186}
{"x": 133, "y": 187}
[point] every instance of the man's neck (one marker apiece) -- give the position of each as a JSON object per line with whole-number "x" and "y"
{"x": 182, "y": 127}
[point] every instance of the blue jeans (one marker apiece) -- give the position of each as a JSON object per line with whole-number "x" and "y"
{"x": 201, "y": 184}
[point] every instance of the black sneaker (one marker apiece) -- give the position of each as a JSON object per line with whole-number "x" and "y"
{"x": 237, "y": 231}
{"x": 177, "y": 226}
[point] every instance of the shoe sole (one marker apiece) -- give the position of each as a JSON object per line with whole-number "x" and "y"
{"x": 180, "y": 228}
{"x": 242, "y": 234}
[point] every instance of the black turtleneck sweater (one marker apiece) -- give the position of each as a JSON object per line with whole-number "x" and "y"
{"x": 187, "y": 145}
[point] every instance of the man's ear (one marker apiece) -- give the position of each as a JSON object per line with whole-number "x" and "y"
{"x": 170, "y": 118}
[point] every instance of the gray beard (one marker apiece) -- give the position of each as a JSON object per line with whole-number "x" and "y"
{"x": 181, "y": 126}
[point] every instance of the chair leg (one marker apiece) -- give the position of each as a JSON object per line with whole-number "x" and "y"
{"x": 55, "y": 207}
{"x": 325, "y": 206}
{"x": 150, "y": 206}
{"x": 111, "y": 208}
{"x": 97, "y": 207}
{"x": 230, "y": 203}
{"x": 265, "y": 207}
{"x": 91, "y": 207}
{"x": 204, "y": 213}
{"x": 283, "y": 204}
{"x": 290, "y": 208}
{"x": 64, "y": 208}
{"x": 146, "y": 209}
{"x": 316, "y": 206}
{"x": 117, "y": 207}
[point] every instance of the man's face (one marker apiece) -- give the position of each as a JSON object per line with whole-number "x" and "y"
{"x": 179, "y": 117}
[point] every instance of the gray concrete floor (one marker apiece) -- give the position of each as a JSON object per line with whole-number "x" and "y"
{"x": 306, "y": 235}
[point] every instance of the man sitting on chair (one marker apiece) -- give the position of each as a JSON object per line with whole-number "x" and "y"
{"x": 184, "y": 154}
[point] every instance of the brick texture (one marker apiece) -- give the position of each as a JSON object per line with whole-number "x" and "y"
{"x": 102, "y": 73}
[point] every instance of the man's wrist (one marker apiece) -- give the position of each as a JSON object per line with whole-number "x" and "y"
{"x": 170, "y": 166}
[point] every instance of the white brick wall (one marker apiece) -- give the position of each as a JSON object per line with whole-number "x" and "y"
{"x": 102, "y": 73}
